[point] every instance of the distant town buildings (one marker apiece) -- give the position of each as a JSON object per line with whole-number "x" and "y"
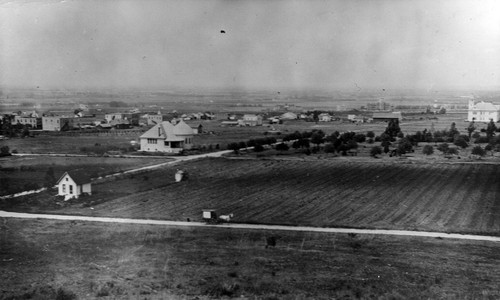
{"x": 483, "y": 111}
{"x": 380, "y": 105}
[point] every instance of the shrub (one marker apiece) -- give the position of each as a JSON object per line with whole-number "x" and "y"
{"x": 258, "y": 148}
{"x": 282, "y": 147}
{"x": 460, "y": 142}
{"x": 478, "y": 151}
{"x": 443, "y": 147}
{"x": 329, "y": 148}
{"x": 428, "y": 150}
{"x": 65, "y": 295}
{"x": 376, "y": 150}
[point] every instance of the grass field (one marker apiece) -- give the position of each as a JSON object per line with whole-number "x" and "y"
{"x": 41, "y": 259}
{"x": 19, "y": 174}
{"x": 65, "y": 144}
{"x": 317, "y": 192}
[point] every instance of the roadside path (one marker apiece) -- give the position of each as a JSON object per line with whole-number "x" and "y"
{"x": 4, "y": 214}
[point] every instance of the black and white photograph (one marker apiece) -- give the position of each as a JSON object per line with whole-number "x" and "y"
{"x": 249, "y": 149}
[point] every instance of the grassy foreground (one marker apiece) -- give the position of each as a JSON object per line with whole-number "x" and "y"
{"x": 44, "y": 259}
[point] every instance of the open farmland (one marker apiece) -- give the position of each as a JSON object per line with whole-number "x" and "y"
{"x": 68, "y": 144}
{"x": 42, "y": 258}
{"x": 19, "y": 174}
{"x": 327, "y": 192}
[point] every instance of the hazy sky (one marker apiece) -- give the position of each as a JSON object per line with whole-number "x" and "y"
{"x": 302, "y": 44}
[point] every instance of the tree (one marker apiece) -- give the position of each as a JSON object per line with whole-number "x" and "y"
{"x": 478, "y": 151}
{"x": 376, "y": 150}
{"x": 405, "y": 146}
{"x": 453, "y": 130}
{"x": 282, "y": 147}
{"x": 258, "y": 148}
{"x": 50, "y": 179}
{"x": 490, "y": 129}
{"x": 428, "y": 150}
{"x": 5, "y": 151}
{"x": 489, "y": 147}
{"x": 443, "y": 147}
{"x": 393, "y": 128}
{"x": 317, "y": 138}
{"x": 329, "y": 148}
{"x": 460, "y": 142}
{"x": 370, "y": 134}
{"x": 234, "y": 147}
{"x": 471, "y": 128}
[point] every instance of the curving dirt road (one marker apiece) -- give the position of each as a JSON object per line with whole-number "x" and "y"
{"x": 4, "y": 214}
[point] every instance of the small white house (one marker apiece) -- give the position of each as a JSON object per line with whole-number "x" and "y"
{"x": 72, "y": 184}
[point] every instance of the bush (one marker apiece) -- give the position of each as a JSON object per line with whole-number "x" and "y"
{"x": 374, "y": 151}
{"x": 258, "y": 148}
{"x": 460, "y": 142}
{"x": 5, "y": 151}
{"x": 329, "y": 148}
{"x": 428, "y": 150}
{"x": 282, "y": 147}
{"x": 64, "y": 295}
{"x": 478, "y": 151}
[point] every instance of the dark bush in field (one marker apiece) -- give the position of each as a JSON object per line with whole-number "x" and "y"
{"x": 258, "y": 148}
{"x": 282, "y": 147}
{"x": 374, "y": 151}
{"x": 64, "y": 295}
{"x": 477, "y": 150}
{"x": 428, "y": 150}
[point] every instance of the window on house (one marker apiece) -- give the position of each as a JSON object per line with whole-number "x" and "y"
{"x": 64, "y": 188}
{"x": 71, "y": 189}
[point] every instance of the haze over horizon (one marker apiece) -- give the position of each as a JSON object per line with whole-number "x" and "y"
{"x": 338, "y": 44}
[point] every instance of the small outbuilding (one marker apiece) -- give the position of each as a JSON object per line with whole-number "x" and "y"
{"x": 72, "y": 184}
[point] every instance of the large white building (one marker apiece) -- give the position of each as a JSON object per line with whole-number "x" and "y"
{"x": 483, "y": 111}
{"x": 166, "y": 137}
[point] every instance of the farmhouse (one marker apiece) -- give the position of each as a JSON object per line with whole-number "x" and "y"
{"x": 387, "y": 116}
{"x": 251, "y": 120}
{"x": 324, "y": 117}
{"x": 166, "y": 137}
{"x": 483, "y": 111}
{"x": 72, "y": 184}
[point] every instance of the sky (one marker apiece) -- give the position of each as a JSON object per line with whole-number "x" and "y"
{"x": 337, "y": 44}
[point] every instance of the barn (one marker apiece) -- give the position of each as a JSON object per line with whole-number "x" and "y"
{"x": 387, "y": 116}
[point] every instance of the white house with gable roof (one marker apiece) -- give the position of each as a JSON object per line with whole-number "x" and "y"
{"x": 166, "y": 137}
{"x": 73, "y": 183}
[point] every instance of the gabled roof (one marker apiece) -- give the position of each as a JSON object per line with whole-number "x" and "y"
{"x": 165, "y": 130}
{"x": 387, "y": 115}
{"x": 182, "y": 128}
{"x": 486, "y": 106}
{"x": 79, "y": 177}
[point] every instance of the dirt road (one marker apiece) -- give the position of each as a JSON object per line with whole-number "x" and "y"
{"x": 4, "y": 214}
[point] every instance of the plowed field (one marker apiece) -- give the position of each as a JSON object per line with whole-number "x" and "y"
{"x": 439, "y": 197}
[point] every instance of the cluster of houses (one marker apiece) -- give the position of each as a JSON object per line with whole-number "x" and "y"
{"x": 257, "y": 120}
{"x": 88, "y": 119}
